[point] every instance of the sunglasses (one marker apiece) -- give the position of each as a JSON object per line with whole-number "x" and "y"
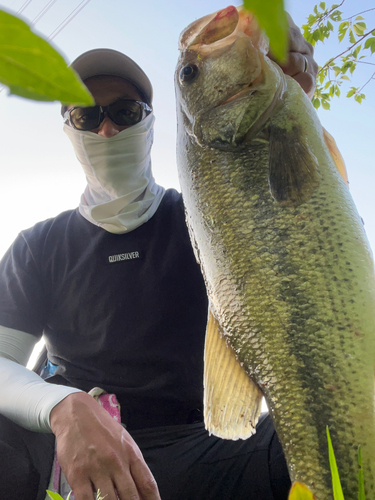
{"x": 123, "y": 112}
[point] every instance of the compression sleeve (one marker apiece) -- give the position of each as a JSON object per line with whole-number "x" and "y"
{"x": 25, "y": 398}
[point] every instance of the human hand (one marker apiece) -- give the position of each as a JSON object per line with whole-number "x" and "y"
{"x": 96, "y": 452}
{"x": 300, "y": 64}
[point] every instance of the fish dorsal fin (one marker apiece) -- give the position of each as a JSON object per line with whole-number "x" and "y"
{"x": 336, "y": 155}
{"x": 293, "y": 168}
{"x": 232, "y": 401}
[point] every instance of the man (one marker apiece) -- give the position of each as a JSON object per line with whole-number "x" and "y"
{"x": 114, "y": 288}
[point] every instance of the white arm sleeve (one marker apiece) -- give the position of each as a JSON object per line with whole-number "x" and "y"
{"x": 25, "y": 398}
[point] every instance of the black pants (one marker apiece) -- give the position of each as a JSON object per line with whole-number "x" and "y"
{"x": 187, "y": 463}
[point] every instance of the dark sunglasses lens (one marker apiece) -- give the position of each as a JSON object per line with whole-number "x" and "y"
{"x": 86, "y": 118}
{"x": 125, "y": 113}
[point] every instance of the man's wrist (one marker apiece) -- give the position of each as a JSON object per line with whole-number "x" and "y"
{"x": 65, "y": 408}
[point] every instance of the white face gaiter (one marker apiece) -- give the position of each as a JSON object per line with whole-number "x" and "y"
{"x": 121, "y": 193}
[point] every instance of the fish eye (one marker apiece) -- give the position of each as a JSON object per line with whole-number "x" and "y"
{"x": 188, "y": 73}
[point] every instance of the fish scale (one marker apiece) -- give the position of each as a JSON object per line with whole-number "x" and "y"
{"x": 286, "y": 262}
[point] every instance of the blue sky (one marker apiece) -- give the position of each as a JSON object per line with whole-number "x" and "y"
{"x": 40, "y": 176}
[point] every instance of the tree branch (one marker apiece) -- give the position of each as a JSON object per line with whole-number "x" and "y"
{"x": 364, "y": 62}
{"x": 325, "y": 15}
{"x": 371, "y": 78}
{"x": 345, "y": 51}
{"x": 358, "y": 13}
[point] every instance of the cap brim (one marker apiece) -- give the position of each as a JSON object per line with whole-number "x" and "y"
{"x": 111, "y": 62}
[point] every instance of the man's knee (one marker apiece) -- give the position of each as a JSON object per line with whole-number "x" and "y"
{"x": 26, "y": 459}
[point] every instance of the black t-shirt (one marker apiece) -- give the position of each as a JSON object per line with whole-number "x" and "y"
{"x": 123, "y": 312}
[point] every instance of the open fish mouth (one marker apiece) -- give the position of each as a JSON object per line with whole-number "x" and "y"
{"x": 221, "y": 28}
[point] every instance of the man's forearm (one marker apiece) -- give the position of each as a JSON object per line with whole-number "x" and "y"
{"x": 25, "y": 398}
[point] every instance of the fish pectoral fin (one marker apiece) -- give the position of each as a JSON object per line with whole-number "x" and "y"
{"x": 336, "y": 155}
{"x": 293, "y": 169}
{"x": 232, "y": 401}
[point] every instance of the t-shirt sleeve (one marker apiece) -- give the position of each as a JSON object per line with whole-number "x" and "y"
{"x": 22, "y": 299}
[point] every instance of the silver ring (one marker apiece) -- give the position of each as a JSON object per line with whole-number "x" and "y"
{"x": 306, "y": 64}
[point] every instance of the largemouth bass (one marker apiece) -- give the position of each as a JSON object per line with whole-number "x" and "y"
{"x": 287, "y": 265}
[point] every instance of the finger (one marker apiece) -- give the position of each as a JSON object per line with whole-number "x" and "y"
{"x": 296, "y": 66}
{"x": 144, "y": 480}
{"x": 126, "y": 487}
{"x": 83, "y": 492}
{"x": 297, "y": 63}
{"x": 107, "y": 490}
{"x": 307, "y": 82}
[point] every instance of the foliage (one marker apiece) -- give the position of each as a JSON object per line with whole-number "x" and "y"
{"x": 361, "y": 483}
{"x": 322, "y": 23}
{"x": 336, "y": 483}
{"x": 32, "y": 68}
{"x": 300, "y": 491}
{"x": 272, "y": 18}
{"x": 56, "y": 496}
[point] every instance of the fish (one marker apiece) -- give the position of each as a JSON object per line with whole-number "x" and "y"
{"x": 283, "y": 251}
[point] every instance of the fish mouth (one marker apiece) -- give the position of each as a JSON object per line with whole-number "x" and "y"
{"x": 221, "y": 28}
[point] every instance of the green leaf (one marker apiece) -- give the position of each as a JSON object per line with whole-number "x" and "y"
{"x": 358, "y": 98}
{"x": 316, "y": 9}
{"x": 350, "y": 93}
{"x": 359, "y": 18}
{"x": 344, "y": 77}
{"x": 337, "y": 91}
{"x": 342, "y": 35}
{"x": 343, "y": 28}
{"x": 351, "y": 37}
{"x": 368, "y": 42}
{"x": 316, "y": 103}
{"x": 337, "y": 70}
{"x": 361, "y": 483}
{"x": 344, "y": 24}
{"x": 359, "y": 28}
{"x": 311, "y": 19}
{"x": 332, "y": 91}
{"x": 356, "y": 51}
{"x": 345, "y": 67}
{"x": 329, "y": 26}
{"x": 54, "y": 496}
{"x": 336, "y": 484}
{"x": 316, "y": 35}
{"x": 32, "y": 68}
{"x": 272, "y": 18}
{"x": 335, "y": 15}
{"x": 325, "y": 104}
{"x": 322, "y": 5}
